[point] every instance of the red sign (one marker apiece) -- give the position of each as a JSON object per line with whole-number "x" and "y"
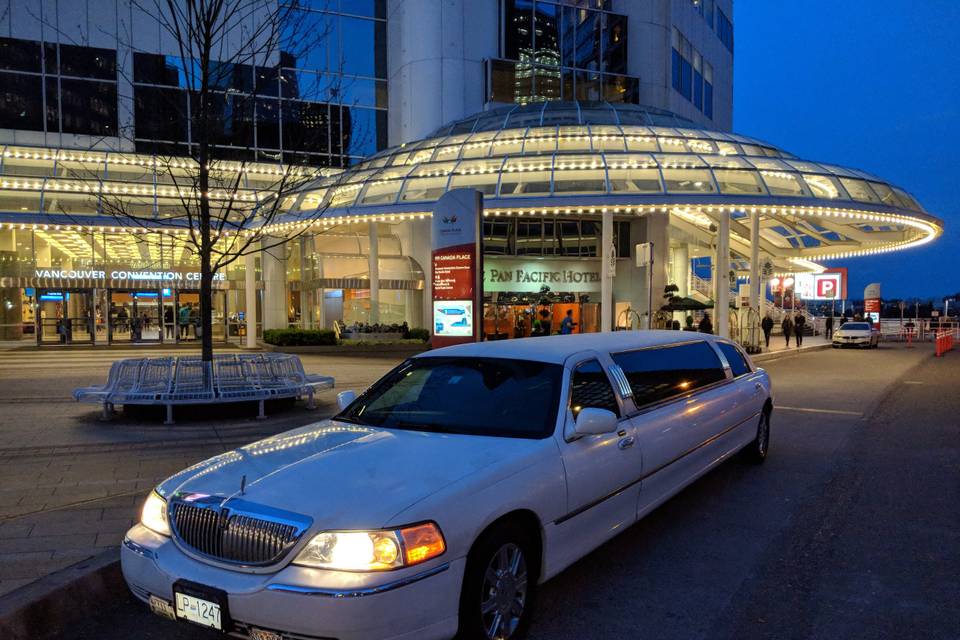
{"x": 454, "y": 273}
{"x": 456, "y": 268}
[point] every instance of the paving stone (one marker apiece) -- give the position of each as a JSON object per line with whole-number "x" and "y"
{"x": 15, "y": 530}
{"x": 6, "y": 586}
{"x": 39, "y": 543}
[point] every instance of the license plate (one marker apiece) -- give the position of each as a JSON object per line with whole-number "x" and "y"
{"x": 197, "y": 610}
{"x": 162, "y": 608}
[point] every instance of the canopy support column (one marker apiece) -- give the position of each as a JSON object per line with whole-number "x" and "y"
{"x": 722, "y": 279}
{"x": 607, "y": 266}
{"x": 250, "y": 296}
{"x": 755, "y": 286}
{"x": 374, "y": 268}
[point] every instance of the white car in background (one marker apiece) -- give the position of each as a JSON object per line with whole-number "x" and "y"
{"x": 438, "y": 500}
{"x": 856, "y": 334}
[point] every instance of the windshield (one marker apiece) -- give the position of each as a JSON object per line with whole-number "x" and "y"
{"x": 479, "y": 396}
{"x": 856, "y": 326}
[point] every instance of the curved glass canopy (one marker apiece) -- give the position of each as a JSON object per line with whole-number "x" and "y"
{"x": 563, "y": 154}
{"x": 564, "y": 149}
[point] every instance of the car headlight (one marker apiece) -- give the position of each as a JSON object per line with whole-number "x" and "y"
{"x": 373, "y": 550}
{"x": 154, "y": 514}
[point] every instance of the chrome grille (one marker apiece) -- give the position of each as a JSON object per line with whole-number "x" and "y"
{"x": 242, "y": 539}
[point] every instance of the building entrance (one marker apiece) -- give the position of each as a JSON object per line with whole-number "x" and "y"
{"x": 135, "y": 316}
{"x": 64, "y": 316}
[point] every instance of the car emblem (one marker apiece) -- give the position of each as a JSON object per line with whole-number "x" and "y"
{"x": 243, "y": 484}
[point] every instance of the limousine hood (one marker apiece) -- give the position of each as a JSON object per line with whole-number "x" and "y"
{"x": 345, "y": 475}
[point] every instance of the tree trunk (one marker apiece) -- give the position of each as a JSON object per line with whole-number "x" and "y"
{"x": 206, "y": 273}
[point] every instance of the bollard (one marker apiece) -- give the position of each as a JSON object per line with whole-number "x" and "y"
{"x": 944, "y": 342}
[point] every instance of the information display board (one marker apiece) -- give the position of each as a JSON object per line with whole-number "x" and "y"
{"x": 456, "y": 267}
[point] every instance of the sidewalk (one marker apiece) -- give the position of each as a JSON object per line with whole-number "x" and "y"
{"x": 778, "y": 347}
{"x": 70, "y": 485}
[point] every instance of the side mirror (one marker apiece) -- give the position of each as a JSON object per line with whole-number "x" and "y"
{"x": 593, "y": 421}
{"x": 344, "y": 398}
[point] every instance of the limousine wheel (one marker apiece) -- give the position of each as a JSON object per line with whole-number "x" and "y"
{"x": 756, "y": 451}
{"x": 498, "y": 586}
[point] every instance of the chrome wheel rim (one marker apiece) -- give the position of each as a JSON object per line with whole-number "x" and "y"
{"x": 764, "y": 434}
{"x": 504, "y": 592}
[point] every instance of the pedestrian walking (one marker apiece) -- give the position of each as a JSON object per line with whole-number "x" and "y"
{"x": 787, "y": 327}
{"x": 183, "y": 315}
{"x": 705, "y": 325}
{"x": 767, "y": 325}
{"x": 168, "y": 321}
{"x": 798, "y": 324}
{"x": 567, "y": 324}
{"x": 828, "y": 325}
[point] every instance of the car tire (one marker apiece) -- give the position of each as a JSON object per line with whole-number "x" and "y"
{"x": 756, "y": 451}
{"x": 499, "y": 585}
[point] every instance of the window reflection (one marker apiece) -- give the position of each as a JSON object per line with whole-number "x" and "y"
{"x": 88, "y": 107}
{"x": 22, "y": 102}
{"x": 557, "y": 52}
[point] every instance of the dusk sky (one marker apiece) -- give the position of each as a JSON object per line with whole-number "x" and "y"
{"x": 871, "y": 84}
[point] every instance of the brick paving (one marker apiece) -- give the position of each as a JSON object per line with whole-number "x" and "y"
{"x": 70, "y": 485}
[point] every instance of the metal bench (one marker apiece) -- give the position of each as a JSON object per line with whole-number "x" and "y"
{"x": 169, "y": 381}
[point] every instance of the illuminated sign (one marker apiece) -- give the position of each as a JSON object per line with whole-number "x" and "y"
{"x": 453, "y": 318}
{"x": 564, "y": 276}
{"x": 121, "y": 274}
{"x": 456, "y": 267}
{"x": 828, "y": 285}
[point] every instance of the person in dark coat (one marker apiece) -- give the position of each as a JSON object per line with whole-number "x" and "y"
{"x": 787, "y": 327}
{"x": 689, "y": 324}
{"x": 767, "y": 325}
{"x": 705, "y": 325}
{"x": 798, "y": 324}
{"x": 828, "y": 325}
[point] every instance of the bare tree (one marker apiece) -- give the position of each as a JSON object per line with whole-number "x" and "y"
{"x": 217, "y": 40}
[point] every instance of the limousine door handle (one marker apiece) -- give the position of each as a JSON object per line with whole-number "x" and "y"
{"x": 626, "y": 443}
{"x": 758, "y": 386}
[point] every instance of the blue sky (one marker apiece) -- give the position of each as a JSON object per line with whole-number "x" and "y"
{"x": 872, "y": 84}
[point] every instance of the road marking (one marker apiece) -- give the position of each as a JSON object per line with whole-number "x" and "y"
{"x": 838, "y": 412}
{"x": 913, "y": 382}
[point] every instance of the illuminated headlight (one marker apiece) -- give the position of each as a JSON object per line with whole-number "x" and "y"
{"x": 373, "y": 550}
{"x": 154, "y": 514}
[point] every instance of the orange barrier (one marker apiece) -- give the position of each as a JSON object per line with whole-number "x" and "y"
{"x": 944, "y": 342}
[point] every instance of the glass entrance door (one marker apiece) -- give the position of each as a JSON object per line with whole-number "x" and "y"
{"x": 64, "y": 316}
{"x": 135, "y": 316}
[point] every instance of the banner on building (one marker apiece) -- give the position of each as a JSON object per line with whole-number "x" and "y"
{"x": 457, "y": 267}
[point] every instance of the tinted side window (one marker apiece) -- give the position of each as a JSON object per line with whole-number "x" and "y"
{"x": 737, "y": 364}
{"x": 590, "y": 387}
{"x": 663, "y": 372}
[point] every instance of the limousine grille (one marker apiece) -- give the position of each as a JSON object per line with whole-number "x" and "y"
{"x": 233, "y": 538}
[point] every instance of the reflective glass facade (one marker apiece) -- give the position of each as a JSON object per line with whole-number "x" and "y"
{"x": 58, "y": 88}
{"x": 561, "y": 51}
{"x": 325, "y": 106}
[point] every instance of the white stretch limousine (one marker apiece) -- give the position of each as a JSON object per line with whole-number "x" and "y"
{"x": 438, "y": 500}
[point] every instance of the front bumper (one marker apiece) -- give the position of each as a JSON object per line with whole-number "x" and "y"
{"x": 303, "y": 603}
{"x": 858, "y": 341}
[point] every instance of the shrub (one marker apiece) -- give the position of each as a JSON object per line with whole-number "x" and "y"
{"x": 299, "y": 337}
{"x": 418, "y": 334}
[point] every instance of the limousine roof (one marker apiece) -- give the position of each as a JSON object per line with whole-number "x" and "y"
{"x": 557, "y": 349}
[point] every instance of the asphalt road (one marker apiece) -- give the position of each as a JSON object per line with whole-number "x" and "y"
{"x": 850, "y": 530}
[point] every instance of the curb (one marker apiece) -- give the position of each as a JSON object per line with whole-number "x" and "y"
{"x": 352, "y": 351}
{"x": 49, "y": 605}
{"x": 776, "y": 355}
